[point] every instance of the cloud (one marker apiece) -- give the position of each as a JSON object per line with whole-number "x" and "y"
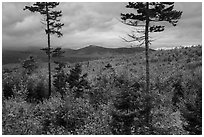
{"x": 93, "y": 23}
{"x": 28, "y": 26}
{"x": 94, "y": 35}
{"x": 11, "y": 13}
{"x": 83, "y": 16}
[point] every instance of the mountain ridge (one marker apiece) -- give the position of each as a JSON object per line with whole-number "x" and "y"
{"x": 71, "y": 55}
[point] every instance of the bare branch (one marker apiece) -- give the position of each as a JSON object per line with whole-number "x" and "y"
{"x": 140, "y": 40}
{"x": 140, "y": 44}
{"x": 132, "y": 23}
{"x": 43, "y": 22}
{"x": 137, "y": 38}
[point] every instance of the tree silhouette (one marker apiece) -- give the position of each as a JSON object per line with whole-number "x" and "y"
{"x": 53, "y": 26}
{"x": 149, "y": 12}
{"x": 29, "y": 65}
{"x": 59, "y": 78}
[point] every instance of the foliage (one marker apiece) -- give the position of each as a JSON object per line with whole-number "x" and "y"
{"x": 52, "y": 17}
{"x": 60, "y": 78}
{"x": 53, "y": 26}
{"x": 101, "y": 88}
{"x": 77, "y": 82}
{"x": 98, "y": 122}
{"x": 12, "y": 84}
{"x": 29, "y": 65}
{"x": 131, "y": 108}
{"x": 7, "y": 85}
{"x": 148, "y": 12}
{"x": 74, "y": 80}
{"x": 112, "y": 102}
{"x": 192, "y": 106}
{"x": 18, "y": 118}
{"x": 153, "y": 12}
{"x": 36, "y": 88}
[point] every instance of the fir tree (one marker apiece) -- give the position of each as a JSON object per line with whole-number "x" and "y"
{"x": 53, "y": 26}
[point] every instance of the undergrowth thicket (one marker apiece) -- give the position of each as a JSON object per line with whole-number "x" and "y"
{"x": 107, "y": 96}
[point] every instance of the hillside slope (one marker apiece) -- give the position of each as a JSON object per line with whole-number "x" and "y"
{"x": 83, "y": 54}
{"x": 108, "y": 96}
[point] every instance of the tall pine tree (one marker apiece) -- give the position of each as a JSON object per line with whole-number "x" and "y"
{"x": 53, "y": 26}
{"x": 146, "y": 19}
{"x": 148, "y": 12}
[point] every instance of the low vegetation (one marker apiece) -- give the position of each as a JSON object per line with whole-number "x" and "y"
{"x": 106, "y": 96}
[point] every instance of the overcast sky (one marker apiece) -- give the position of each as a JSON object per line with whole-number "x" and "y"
{"x": 93, "y": 24}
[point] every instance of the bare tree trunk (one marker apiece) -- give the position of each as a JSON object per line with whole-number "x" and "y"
{"x": 49, "y": 59}
{"x": 147, "y": 48}
{"x": 148, "y": 105}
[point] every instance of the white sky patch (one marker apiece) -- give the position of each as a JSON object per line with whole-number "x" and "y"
{"x": 25, "y": 25}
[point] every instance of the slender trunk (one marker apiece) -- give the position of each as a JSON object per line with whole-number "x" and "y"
{"x": 148, "y": 104}
{"x": 147, "y": 48}
{"x": 49, "y": 59}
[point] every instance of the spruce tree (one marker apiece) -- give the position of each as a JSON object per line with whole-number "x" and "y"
{"x": 53, "y": 26}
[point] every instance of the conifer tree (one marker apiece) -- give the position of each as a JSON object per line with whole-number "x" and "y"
{"x": 77, "y": 81}
{"x": 53, "y": 26}
{"x": 29, "y": 65}
{"x": 59, "y": 78}
{"x": 148, "y": 18}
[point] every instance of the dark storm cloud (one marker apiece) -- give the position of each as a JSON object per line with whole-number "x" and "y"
{"x": 93, "y": 23}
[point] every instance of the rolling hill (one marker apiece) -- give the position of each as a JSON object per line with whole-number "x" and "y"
{"x": 90, "y": 52}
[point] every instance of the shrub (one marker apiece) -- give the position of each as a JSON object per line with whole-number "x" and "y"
{"x": 18, "y": 118}
{"x": 60, "y": 78}
{"x": 132, "y": 108}
{"x": 77, "y": 82}
{"x": 47, "y": 112}
{"x": 99, "y": 96}
{"x": 63, "y": 116}
{"x": 7, "y": 89}
{"x": 36, "y": 88}
{"x": 192, "y": 102}
{"x": 29, "y": 65}
{"x": 12, "y": 84}
{"x": 101, "y": 88}
{"x": 98, "y": 122}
